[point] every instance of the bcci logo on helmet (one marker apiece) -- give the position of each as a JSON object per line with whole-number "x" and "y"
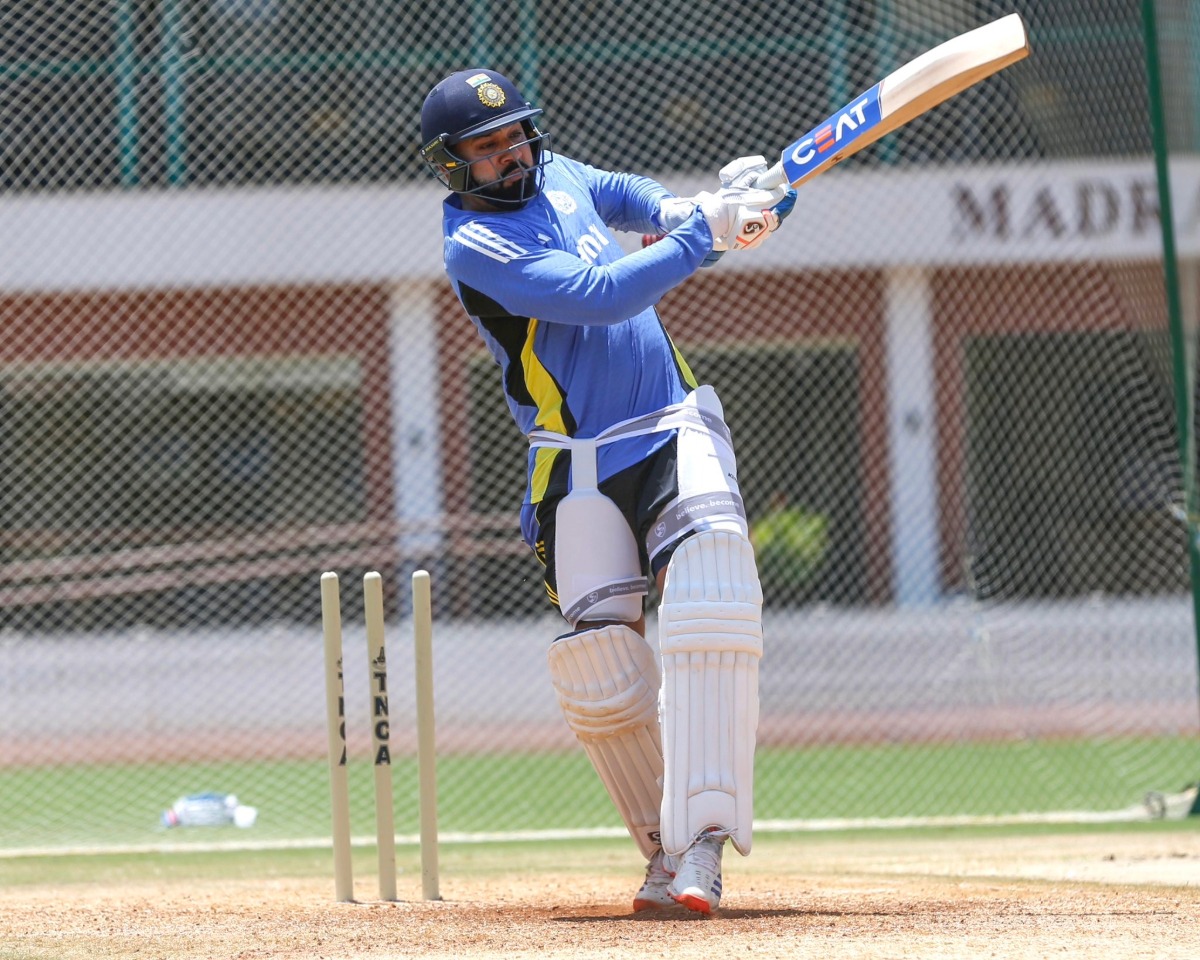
{"x": 489, "y": 92}
{"x": 491, "y": 95}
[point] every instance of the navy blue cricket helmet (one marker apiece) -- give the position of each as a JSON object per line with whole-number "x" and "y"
{"x": 469, "y": 103}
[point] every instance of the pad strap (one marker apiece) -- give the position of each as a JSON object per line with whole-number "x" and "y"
{"x": 607, "y": 685}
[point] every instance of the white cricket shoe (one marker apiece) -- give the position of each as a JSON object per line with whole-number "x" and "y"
{"x": 660, "y": 871}
{"x": 697, "y": 883}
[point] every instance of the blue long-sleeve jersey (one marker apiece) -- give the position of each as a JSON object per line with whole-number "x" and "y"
{"x": 569, "y": 318}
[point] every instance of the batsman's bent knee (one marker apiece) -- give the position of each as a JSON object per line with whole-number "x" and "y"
{"x": 607, "y": 683}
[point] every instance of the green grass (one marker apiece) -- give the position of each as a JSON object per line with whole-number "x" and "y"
{"x": 904, "y": 780}
{"x": 501, "y": 859}
{"x": 118, "y": 805}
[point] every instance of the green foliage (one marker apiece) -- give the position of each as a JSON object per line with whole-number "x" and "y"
{"x": 790, "y": 544}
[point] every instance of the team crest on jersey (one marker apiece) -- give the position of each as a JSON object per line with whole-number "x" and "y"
{"x": 562, "y": 201}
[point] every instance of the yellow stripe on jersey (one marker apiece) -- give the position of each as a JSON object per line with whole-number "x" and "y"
{"x": 549, "y": 400}
{"x": 541, "y": 385}
{"x": 543, "y": 463}
{"x": 685, "y": 371}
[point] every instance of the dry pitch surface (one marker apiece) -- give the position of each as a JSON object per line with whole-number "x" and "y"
{"x": 1106, "y": 895}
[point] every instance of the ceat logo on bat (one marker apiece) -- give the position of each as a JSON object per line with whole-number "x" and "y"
{"x": 822, "y": 144}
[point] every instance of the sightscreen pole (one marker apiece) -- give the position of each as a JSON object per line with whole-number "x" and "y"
{"x": 1180, "y": 355}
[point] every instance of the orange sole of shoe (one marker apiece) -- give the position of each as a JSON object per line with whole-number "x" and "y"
{"x": 698, "y": 904}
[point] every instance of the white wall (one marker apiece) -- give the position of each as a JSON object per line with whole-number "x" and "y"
{"x": 1066, "y": 212}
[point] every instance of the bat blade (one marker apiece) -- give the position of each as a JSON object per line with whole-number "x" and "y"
{"x": 918, "y": 86}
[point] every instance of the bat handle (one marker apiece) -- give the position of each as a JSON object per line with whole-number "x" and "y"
{"x": 773, "y": 178}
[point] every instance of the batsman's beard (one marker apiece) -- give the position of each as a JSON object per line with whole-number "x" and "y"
{"x": 515, "y": 194}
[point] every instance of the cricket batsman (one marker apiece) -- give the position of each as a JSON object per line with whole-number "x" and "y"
{"x": 631, "y": 469}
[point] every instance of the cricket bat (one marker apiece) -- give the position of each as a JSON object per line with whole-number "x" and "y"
{"x": 918, "y": 86}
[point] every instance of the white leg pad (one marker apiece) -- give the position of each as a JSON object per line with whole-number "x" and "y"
{"x": 607, "y": 685}
{"x": 710, "y": 635}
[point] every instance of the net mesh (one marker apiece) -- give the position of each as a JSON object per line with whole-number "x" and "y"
{"x": 230, "y": 360}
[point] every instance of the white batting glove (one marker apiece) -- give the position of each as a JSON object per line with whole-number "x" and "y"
{"x": 753, "y": 228}
{"x": 743, "y": 171}
{"x": 674, "y": 212}
{"x": 738, "y": 217}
